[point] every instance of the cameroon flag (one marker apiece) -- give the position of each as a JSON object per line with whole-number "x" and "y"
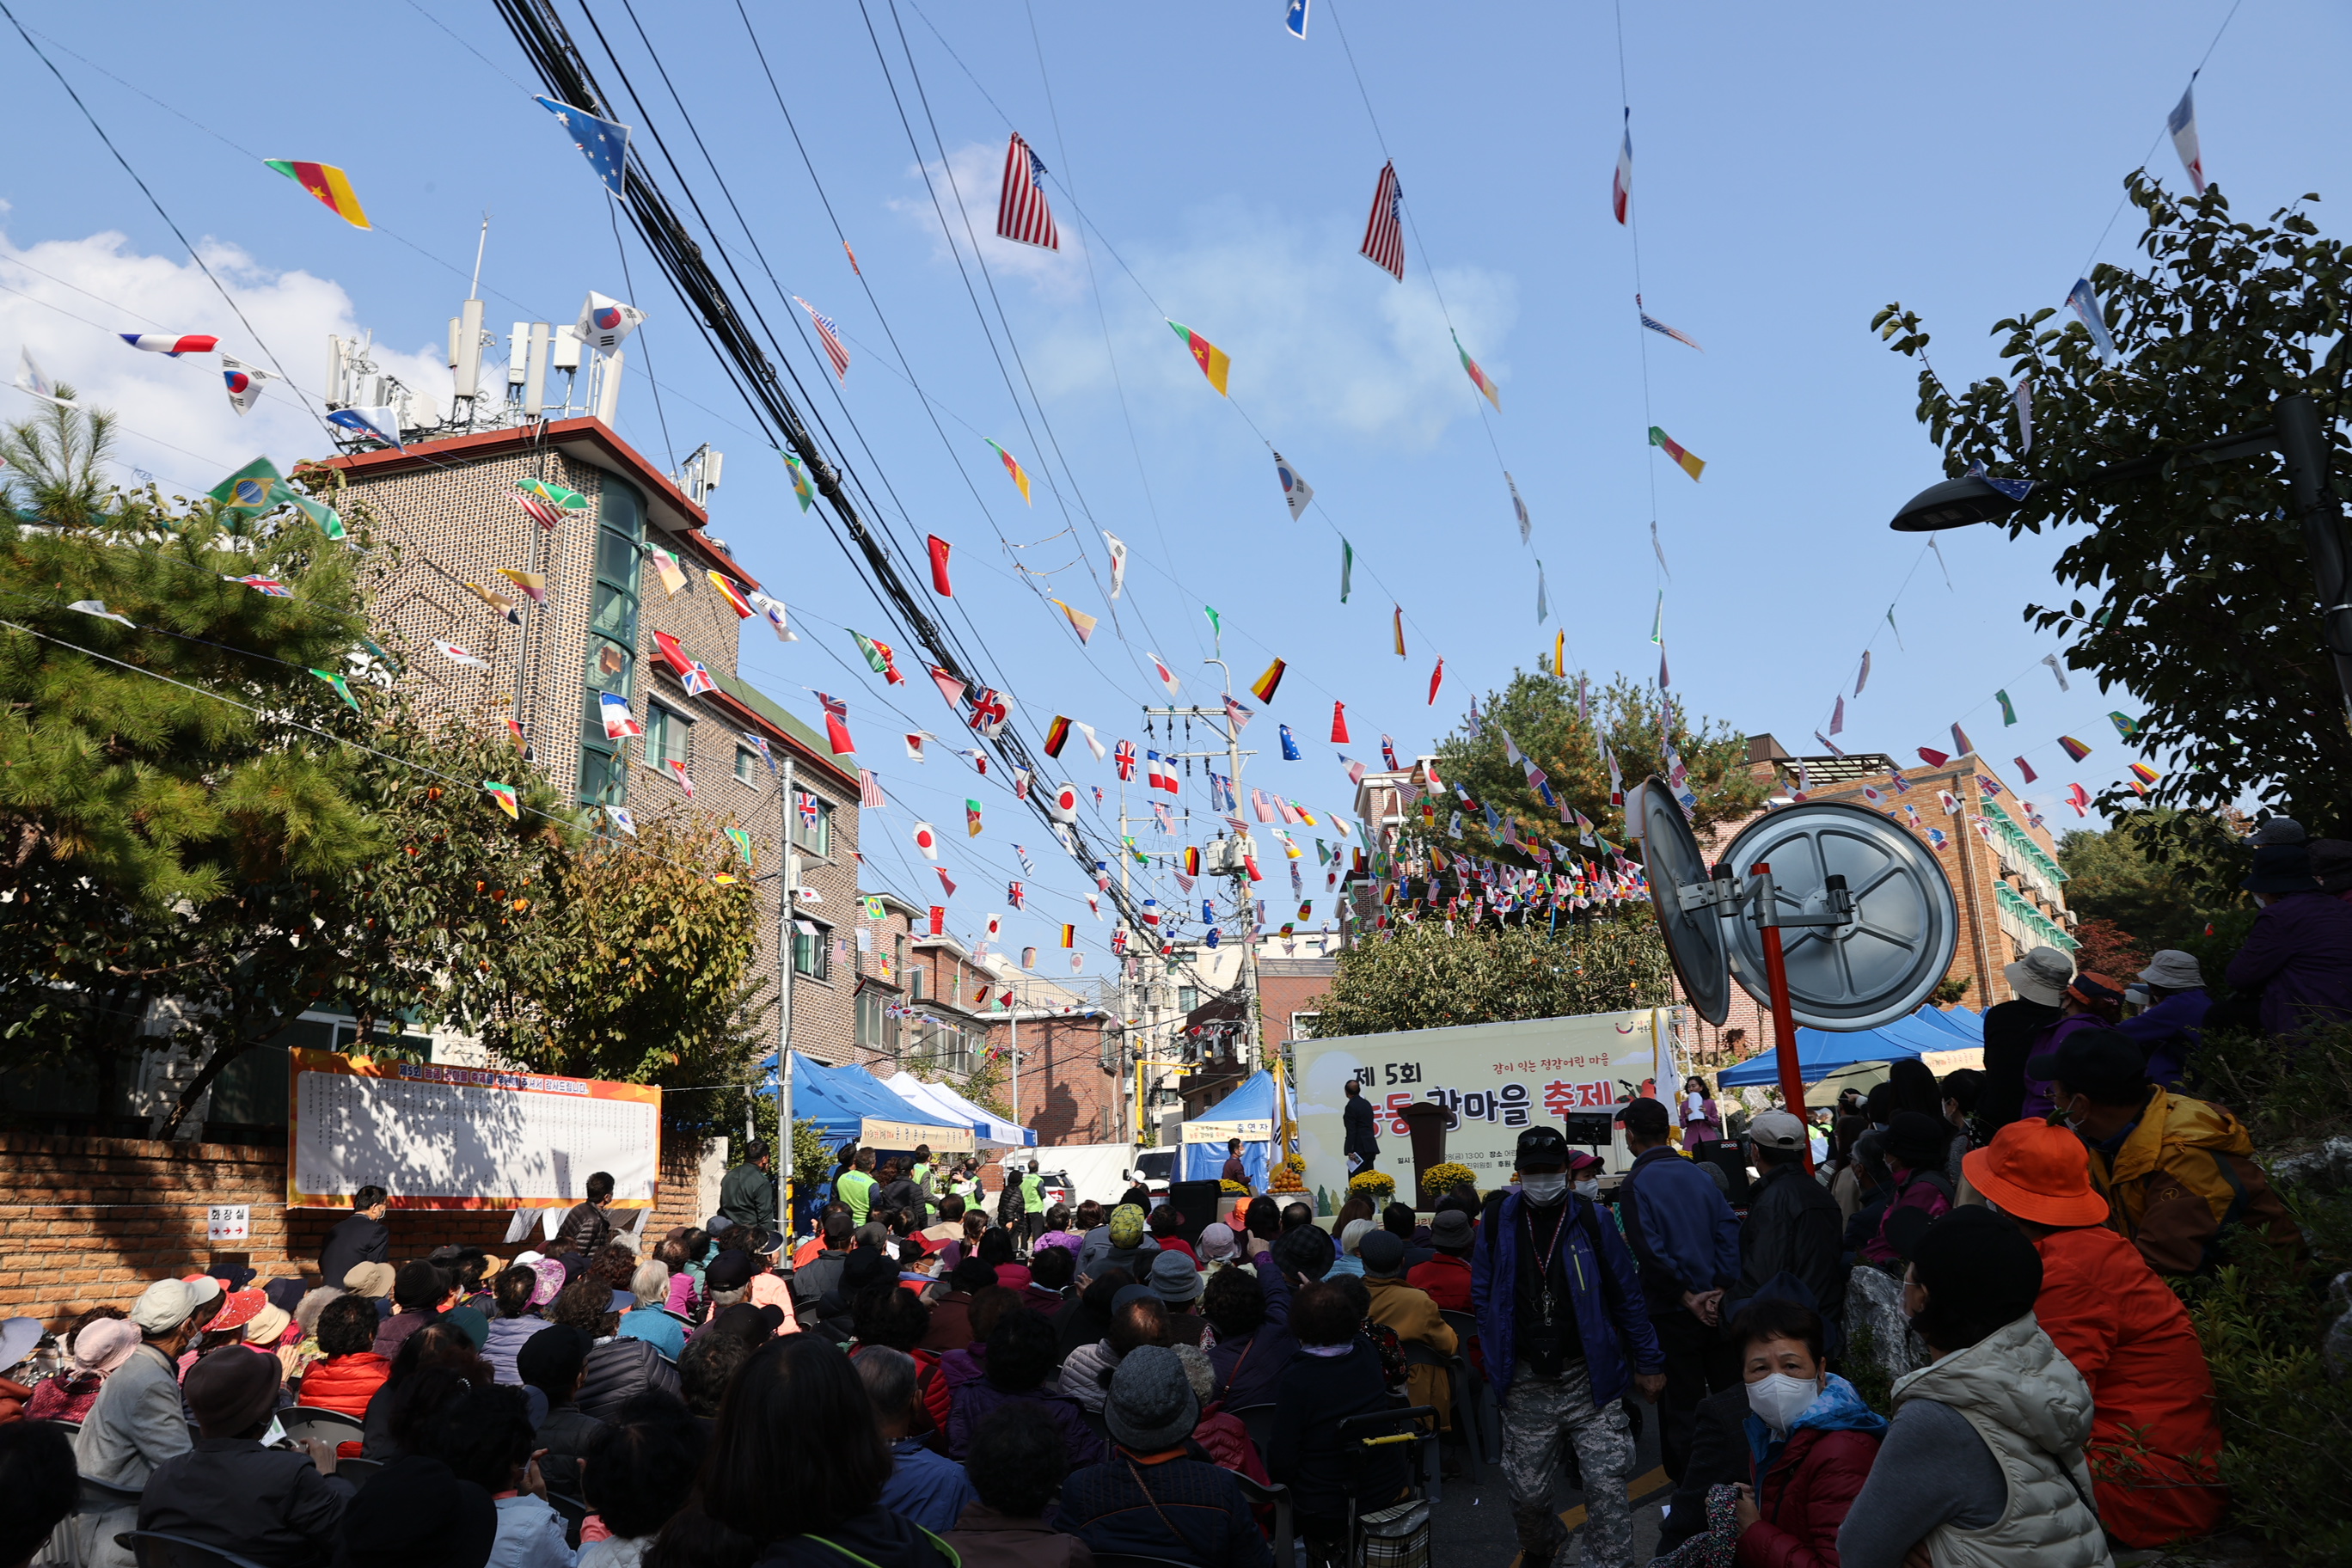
{"x": 1212, "y": 359}
{"x": 327, "y": 184}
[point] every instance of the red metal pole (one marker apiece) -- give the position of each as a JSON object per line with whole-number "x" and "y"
{"x": 1784, "y": 1027}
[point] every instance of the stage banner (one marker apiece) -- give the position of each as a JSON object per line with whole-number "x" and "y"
{"x": 1497, "y": 1078}
{"x": 435, "y": 1136}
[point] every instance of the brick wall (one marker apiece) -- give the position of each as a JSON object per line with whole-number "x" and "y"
{"x": 1065, "y": 1095}
{"x": 86, "y": 1222}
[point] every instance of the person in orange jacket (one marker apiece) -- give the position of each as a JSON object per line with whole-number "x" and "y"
{"x": 2156, "y": 1443}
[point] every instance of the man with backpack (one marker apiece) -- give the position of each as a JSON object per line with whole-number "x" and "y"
{"x": 1561, "y": 1313}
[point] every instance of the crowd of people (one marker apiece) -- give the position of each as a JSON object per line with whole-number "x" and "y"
{"x": 919, "y": 1383}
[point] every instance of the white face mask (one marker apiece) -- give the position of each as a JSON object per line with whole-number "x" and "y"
{"x": 1778, "y": 1399}
{"x": 1589, "y": 1189}
{"x": 1544, "y": 1189}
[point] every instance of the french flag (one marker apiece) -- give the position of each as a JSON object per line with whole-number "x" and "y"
{"x": 1620, "y": 189}
{"x": 171, "y": 344}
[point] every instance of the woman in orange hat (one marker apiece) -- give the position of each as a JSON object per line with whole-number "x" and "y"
{"x": 2155, "y": 1444}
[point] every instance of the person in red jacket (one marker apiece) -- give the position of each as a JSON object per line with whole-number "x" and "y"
{"x": 351, "y": 1371}
{"x": 1810, "y": 1440}
{"x": 2155, "y": 1444}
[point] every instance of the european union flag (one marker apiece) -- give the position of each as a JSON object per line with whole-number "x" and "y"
{"x": 604, "y": 143}
{"x": 1289, "y": 746}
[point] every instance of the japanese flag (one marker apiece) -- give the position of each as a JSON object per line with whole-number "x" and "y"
{"x": 927, "y": 840}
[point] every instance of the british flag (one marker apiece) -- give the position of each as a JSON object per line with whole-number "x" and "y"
{"x": 1022, "y": 214}
{"x": 805, "y": 803}
{"x": 989, "y": 710}
{"x": 830, "y": 335}
{"x": 1123, "y": 755}
{"x": 1383, "y": 244}
{"x": 1015, "y": 895}
{"x": 759, "y": 745}
{"x": 696, "y": 679}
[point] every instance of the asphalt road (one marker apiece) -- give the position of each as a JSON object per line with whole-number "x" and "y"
{"x": 1471, "y": 1525}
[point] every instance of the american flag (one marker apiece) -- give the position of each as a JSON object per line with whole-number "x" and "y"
{"x": 1656, "y": 325}
{"x": 830, "y": 335}
{"x": 869, "y": 790}
{"x": 1022, "y": 214}
{"x": 1383, "y": 244}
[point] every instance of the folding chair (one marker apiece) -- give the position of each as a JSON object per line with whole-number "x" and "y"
{"x": 154, "y": 1549}
{"x": 1400, "y": 1528}
{"x": 1487, "y": 1420}
{"x": 1458, "y": 1375}
{"x": 316, "y": 1421}
{"x": 1276, "y": 1496}
{"x": 1259, "y": 1420}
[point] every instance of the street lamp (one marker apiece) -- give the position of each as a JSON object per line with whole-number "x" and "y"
{"x": 2296, "y": 435}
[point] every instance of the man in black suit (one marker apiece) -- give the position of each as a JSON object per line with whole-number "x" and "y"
{"x": 361, "y": 1238}
{"x": 1363, "y": 1144}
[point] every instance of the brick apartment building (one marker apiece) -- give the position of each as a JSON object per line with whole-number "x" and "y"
{"x": 448, "y": 510}
{"x": 2005, "y": 874}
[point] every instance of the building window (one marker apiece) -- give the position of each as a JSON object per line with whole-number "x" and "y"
{"x": 812, "y": 950}
{"x": 914, "y": 977}
{"x": 813, "y": 822}
{"x": 1187, "y": 998}
{"x": 1302, "y": 1026}
{"x": 668, "y": 735}
{"x": 876, "y": 1029}
{"x": 746, "y": 767}
{"x": 612, "y": 640}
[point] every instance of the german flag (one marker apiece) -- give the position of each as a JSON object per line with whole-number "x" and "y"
{"x": 1266, "y": 684}
{"x": 1057, "y": 735}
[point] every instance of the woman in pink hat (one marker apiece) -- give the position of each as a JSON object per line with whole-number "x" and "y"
{"x": 97, "y": 1344}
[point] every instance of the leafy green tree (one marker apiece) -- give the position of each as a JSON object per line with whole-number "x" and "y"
{"x": 2191, "y": 588}
{"x": 2145, "y": 875}
{"x": 1541, "y": 716}
{"x": 56, "y": 463}
{"x": 1420, "y": 977}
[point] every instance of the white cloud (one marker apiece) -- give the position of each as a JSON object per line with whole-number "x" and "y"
{"x": 67, "y": 300}
{"x": 1320, "y": 338}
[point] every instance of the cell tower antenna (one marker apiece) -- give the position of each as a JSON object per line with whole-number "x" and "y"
{"x": 474, "y": 289}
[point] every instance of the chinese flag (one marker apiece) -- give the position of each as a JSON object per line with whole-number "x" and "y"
{"x": 940, "y": 548}
{"x": 938, "y": 919}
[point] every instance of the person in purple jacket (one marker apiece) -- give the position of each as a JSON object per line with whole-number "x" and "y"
{"x": 2170, "y": 1028}
{"x": 2299, "y": 954}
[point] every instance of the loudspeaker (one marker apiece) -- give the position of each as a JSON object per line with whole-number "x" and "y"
{"x": 1197, "y": 1201}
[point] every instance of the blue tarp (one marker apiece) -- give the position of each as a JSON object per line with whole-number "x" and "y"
{"x": 1961, "y": 1021}
{"x": 1252, "y": 1101}
{"x": 839, "y": 1099}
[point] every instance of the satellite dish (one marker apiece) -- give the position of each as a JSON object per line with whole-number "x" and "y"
{"x": 1694, "y": 936}
{"x": 1856, "y": 973}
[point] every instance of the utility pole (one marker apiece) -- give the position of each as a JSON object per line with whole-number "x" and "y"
{"x": 784, "y": 937}
{"x": 1244, "y": 898}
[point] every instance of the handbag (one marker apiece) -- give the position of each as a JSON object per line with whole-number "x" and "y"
{"x": 1396, "y": 1536}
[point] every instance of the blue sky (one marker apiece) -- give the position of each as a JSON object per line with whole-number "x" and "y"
{"x": 1794, "y": 172}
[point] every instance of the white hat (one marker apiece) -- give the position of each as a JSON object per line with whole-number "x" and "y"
{"x": 2175, "y": 971}
{"x": 525, "y": 1259}
{"x": 165, "y": 1306}
{"x": 1776, "y": 1130}
{"x": 2042, "y": 976}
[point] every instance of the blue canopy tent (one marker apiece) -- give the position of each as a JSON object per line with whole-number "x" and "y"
{"x": 1248, "y": 1114}
{"x": 993, "y": 1130}
{"x": 850, "y": 1105}
{"x": 1821, "y": 1053}
{"x": 1960, "y": 1021}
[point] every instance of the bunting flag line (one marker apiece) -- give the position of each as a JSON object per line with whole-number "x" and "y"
{"x": 267, "y": 587}
{"x": 504, "y": 794}
{"x": 171, "y": 343}
{"x": 1296, "y": 491}
{"x": 990, "y": 711}
{"x": 553, "y": 494}
{"x": 1436, "y": 680}
{"x": 1289, "y": 745}
{"x": 915, "y": 744}
{"x": 2182, "y": 123}
{"x": 1656, "y": 325}
{"x": 1216, "y": 627}
{"x": 2075, "y": 751}
{"x": 1237, "y": 715}
{"x": 777, "y": 616}
{"x": 1214, "y": 363}
{"x": 1400, "y": 631}
{"x": 2052, "y": 660}
{"x": 801, "y": 485}
{"x": 604, "y": 143}
{"x": 1898, "y": 630}
{"x": 666, "y": 568}
{"x": 927, "y": 840}
{"x": 729, "y": 592}
{"x": 2125, "y": 727}
{"x": 1673, "y": 448}
{"x": 244, "y": 383}
{"x": 1837, "y": 716}
{"x": 1080, "y": 622}
{"x": 2140, "y": 772}
{"x": 1086, "y": 733}
{"x": 1013, "y": 466}
{"x": 938, "y": 919}
{"x": 830, "y": 336}
{"x": 939, "y": 549}
{"x": 1340, "y": 723}
{"x": 456, "y": 655}
{"x": 622, "y": 819}
{"x": 1016, "y": 896}
{"x": 1294, "y": 20}
{"x": 878, "y": 656}
{"x": 618, "y": 720}
{"x": 1932, "y": 757}
{"x": 678, "y": 776}
{"x": 32, "y": 379}
{"x": 2025, "y": 769}
{"x": 1167, "y": 676}
{"x": 950, "y": 686}
{"x": 1621, "y": 184}
{"x": 741, "y": 839}
{"x": 540, "y": 512}
{"x": 1961, "y": 746}
{"x": 1383, "y": 244}
{"x": 759, "y": 744}
{"x": 1022, "y": 214}
{"x": 504, "y": 605}
{"x": 2008, "y": 710}
{"x": 1266, "y": 685}
{"x": 837, "y": 724}
{"x": 1118, "y": 548}
{"x": 1346, "y": 567}
{"x": 2085, "y": 304}
{"x": 1057, "y": 735}
{"x": 327, "y": 183}
{"x": 2080, "y": 801}
{"x": 1518, "y": 508}
{"x": 1478, "y": 378}
{"x": 606, "y": 324}
{"x": 1543, "y": 606}
{"x": 947, "y": 883}
{"x": 382, "y": 423}
{"x": 343, "y": 688}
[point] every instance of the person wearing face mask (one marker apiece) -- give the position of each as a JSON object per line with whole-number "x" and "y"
{"x": 2177, "y": 1173}
{"x": 1983, "y": 1464}
{"x": 2156, "y": 1443}
{"x": 1687, "y": 1241}
{"x": 1810, "y": 1440}
{"x": 1584, "y": 1174}
{"x": 1561, "y": 1314}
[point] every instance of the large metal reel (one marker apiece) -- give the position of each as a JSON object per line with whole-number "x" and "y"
{"x": 1876, "y": 967}
{"x": 1694, "y": 937}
